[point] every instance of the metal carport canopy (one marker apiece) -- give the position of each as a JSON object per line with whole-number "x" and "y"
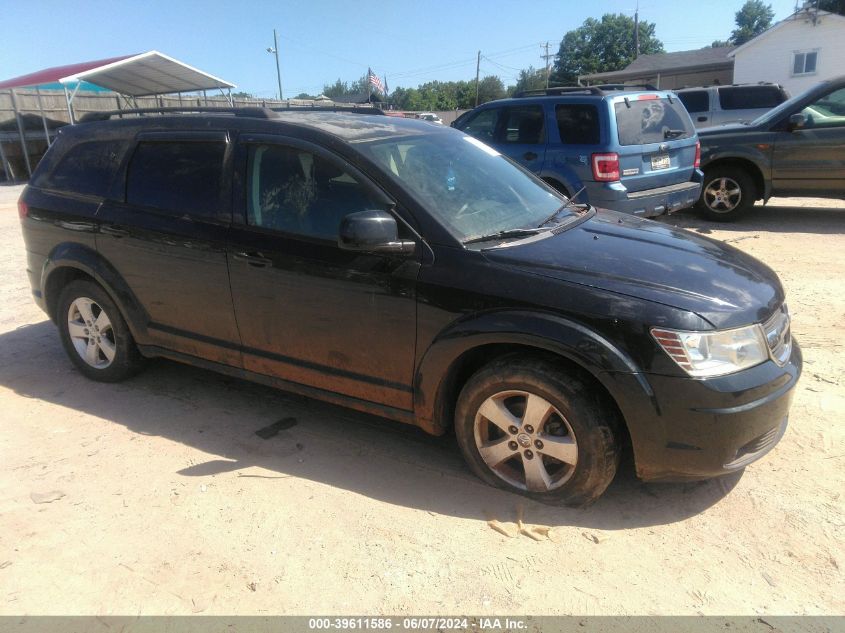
{"x": 150, "y": 73}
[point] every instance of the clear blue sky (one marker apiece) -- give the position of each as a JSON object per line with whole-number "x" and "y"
{"x": 411, "y": 41}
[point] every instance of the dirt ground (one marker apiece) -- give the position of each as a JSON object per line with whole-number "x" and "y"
{"x": 165, "y": 501}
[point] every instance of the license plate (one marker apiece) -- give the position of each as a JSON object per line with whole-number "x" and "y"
{"x": 660, "y": 162}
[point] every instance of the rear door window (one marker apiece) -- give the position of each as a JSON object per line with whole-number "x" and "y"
{"x": 578, "y": 124}
{"x": 178, "y": 177}
{"x": 523, "y": 125}
{"x": 642, "y": 121}
{"x": 750, "y": 97}
{"x": 87, "y": 168}
{"x": 483, "y": 125}
{"x": 695, "y": 100}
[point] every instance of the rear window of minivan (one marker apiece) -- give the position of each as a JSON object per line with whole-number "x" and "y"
{"x": 641, "y": 121}
{"x": 86, "y": 168}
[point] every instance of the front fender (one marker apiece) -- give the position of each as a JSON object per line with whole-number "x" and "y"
{"x": 543, "y": 331}
{"x": 87, "y": 260}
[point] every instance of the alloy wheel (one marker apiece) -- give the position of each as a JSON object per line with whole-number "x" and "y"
{"x": 722, "y": 195}
{"x": 525, "y": 440}
{"x": 91, "y": 332}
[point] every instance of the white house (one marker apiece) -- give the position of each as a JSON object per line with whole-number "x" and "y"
{"x": 798, "y": 52}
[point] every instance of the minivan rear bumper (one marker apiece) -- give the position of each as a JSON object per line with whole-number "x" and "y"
{"x": 700, "y": 428}
{"x": 650, "y": 202}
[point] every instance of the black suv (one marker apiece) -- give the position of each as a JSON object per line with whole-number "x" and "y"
{"x": 411, "y": 271}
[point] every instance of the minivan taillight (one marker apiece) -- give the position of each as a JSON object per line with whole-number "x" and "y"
{"x": 606, "y": 167}
{"x": 23, "y": 209}
{"x": 697, "y": 162}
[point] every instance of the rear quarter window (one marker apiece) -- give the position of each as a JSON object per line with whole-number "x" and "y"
{"x": 578, "y": 124}
{"x": 642, "y": 121}
{"x": 695, "y": 100}
{"x": 87, "y": 168}
{"x": 750, "y": 97}
{"x": 179, "y": 177}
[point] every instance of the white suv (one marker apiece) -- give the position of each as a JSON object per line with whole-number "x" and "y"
{"x": 715, "y": 105}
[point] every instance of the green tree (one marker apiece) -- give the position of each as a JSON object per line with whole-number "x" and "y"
{"x": 529, "y": 79}
{"x": 600, "y": 46}
{"x": 752, "y": 19}
{"x": 720, "y": 43}
{"x": 489, "y": 89}
{"x": 242, "y": 95}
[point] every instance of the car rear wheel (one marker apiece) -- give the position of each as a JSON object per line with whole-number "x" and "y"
{"x": 727, "y": 194}
{"x": 94, "y": 333}
{"x": 525, "y": 426}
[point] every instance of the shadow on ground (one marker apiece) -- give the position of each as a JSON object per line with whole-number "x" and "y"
{"x": 767, "y": 219}
{"x": 366, "y": 455}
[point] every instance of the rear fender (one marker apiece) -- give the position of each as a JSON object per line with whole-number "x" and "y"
{"x": 69, "y": 255}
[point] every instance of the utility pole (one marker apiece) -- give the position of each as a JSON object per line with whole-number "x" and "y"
{"x": 547, "y": 57}
{"x": 637, "y": 32}
{"x": 275, "y": 51}
{"x": 477, "y": 70}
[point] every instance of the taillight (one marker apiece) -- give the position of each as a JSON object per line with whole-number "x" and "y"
{"x": 606, "y": 167}
{"x": 23, "y": 209}
{"x": 697, "y": 162}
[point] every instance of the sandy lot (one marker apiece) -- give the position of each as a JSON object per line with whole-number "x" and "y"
{"x": 170, "y": 504}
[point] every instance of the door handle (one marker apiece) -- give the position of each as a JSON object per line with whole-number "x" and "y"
{"x": 702, "y": 119}
{"x": 114, "y": 231}
{"x": 253, "y": 259}
{"x": 529, "y": 155}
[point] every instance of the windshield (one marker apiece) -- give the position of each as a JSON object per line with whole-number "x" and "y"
{"x": 471, "y": 188}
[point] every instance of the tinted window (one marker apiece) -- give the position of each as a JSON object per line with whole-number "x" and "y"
{"x": 749, "y": 97}
{"x": 643, "y": 121}
{"x": 695, "y": 100}
{"x": 298, "y": 192}
{"x": 578, "y": 124}
{"x": 179, "y": 177}
{"x": 87, "y": 168}
{"x": 483, "y": 124}
{"x": 523, "y": 125}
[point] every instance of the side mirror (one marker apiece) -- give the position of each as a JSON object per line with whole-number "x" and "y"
{"x": 797, "y": 121}
{"x": 372, "y": 232}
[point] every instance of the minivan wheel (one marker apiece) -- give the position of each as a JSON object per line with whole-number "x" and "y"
{"x": 525, "y": 426}
{"x": 94, "y": 333}
{"x": 727, "y": 194}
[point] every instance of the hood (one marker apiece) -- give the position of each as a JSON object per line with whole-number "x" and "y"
{"x": 649, "y": 260}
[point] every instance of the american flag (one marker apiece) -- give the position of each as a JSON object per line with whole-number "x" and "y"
{"x": 375, "y": 81}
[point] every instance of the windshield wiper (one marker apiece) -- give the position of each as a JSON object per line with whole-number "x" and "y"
{"x": 503, "y": 234}
{"x": 565, "y": 205}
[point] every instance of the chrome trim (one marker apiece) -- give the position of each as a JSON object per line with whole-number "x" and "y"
{"x": 778, "y": 336}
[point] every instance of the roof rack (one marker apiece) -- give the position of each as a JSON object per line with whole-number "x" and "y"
{"x": 601, "y": 89}
{"x": 348, "y": 109}
{"x": 256, "y": 113}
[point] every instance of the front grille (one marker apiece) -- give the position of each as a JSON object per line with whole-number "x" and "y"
{"x": 778, "y": 336}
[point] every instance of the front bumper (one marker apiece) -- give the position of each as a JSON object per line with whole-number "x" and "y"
{"x": 650, "y": 202}
{"x": 701, "y": 428}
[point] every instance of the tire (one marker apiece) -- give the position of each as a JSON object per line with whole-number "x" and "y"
{"x": 572, "y": 449}
{"x": 726, "y": 194}
{"x": 94, "y": 333}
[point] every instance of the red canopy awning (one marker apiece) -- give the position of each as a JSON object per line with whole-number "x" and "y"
{"x": 50, "y": 75}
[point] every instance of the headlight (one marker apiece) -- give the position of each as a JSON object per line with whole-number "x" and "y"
{"x": 714, "y": 353}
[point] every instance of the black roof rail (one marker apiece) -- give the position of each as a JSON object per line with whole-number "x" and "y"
{"x": 540, "y": 92}
{"x": 600, "y": 89}
{"x": 327, "y": 108}
{"x": 256, "y": 113}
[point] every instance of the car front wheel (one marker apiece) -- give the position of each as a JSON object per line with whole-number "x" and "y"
{"x": 94, "y": 333}
{"x": 525, "y": 426}
{"x": 727, "y": 194}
